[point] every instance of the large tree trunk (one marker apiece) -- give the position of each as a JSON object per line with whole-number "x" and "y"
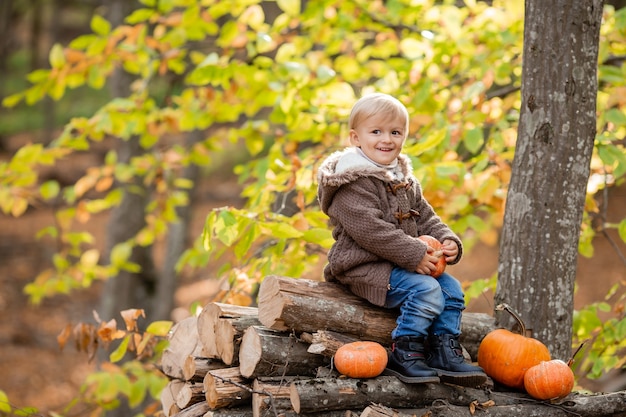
{"x": 128, "y": 289}
{"x": 544, "y": 208}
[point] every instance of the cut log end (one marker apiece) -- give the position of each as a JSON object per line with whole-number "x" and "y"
{"x": 294, "y": 397}
{"x": 269, "y": 295}
{"x": 249, "y": 358}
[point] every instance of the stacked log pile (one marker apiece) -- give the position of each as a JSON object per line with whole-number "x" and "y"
{"x": 276, "y": 360}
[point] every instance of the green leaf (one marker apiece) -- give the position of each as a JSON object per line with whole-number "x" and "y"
{"x": 322, "y": 237}
{"x": 25, "y": 412}
{"x": 120, "y": 253}
{"x": 140, "y": 15}
{"x": 100, "y": 25}
{"x": 159, "y": 328}
{"x": 281, "y": 230}
{"x": 12, "y": 100}
{"x": 207, "y": 232}
{"x": 49, "y": 189}
{"x": 473, "y": 139}
{"x": 5, "y": 406}
{"x": 290, "y": 7}
{"x": 247, "y": 240}
{"x": 57, "y": 57}
{"x": 431, "y": 141}
{"x": 622, "y": 230}
{"x": 616, "y": 117}
{"x": 137, "y": 392}
{"x": 119, "y": 353}
{"x": 226, "y": 228}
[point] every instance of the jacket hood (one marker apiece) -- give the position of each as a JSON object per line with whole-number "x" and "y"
{"x": 346, "y": 166}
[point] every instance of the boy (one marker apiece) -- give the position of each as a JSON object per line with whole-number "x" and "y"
{"x": 376, "y": 207}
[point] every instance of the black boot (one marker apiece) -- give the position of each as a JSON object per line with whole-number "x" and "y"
{"x": 446, "y": 357}
{"x": 407, "y": 362}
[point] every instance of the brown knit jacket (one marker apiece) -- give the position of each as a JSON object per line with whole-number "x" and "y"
{"x": 376, "y": 221}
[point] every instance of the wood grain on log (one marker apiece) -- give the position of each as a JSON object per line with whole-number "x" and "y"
{"x": 183, "y": 342}
{"x": 270, "y": 396}
{"x": 326, "y": 342}
{"x": 208, "y": 320}
{"x": 226, "y": 388}
{"x": 190, "y": 393}
{"x": 229, "y": 332}
{"x": 309, "y": 306}
{"x": 194, "y": 368}
{"x": 267, "y": 352}
{"x": 196, "y": 410}
{"x": 168, "y": 397}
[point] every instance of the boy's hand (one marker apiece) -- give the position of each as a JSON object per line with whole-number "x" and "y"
{"x": 450, "y": 250}
{"x": 428, "y": 264}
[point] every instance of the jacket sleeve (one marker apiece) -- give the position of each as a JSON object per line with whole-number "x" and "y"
{"x": 429, "y": 223}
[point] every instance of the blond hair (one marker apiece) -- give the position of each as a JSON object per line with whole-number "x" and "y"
{"x": 375, "y": 104}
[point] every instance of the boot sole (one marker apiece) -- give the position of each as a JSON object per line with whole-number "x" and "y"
{"x": 465, "y": 380}
{"x": 412, "y": 379}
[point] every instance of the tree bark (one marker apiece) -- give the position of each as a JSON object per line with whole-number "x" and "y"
{"x": 302, "y": 305}
{"x": 444, "y": 409}
{"x": 322, "y": 394}
{"x": 226, "y": 388}
{"x": 331, "y": 393}
{"x": 128, "y": 289}
{"x": 177, "y": 239}
{"x": 271, "y": 396}
{"x": 266, "y": 352}
{"x": 544, "y": 208}
{"x": 229, "y": 412}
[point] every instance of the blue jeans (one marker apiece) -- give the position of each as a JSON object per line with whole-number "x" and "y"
{"x": 427, "y": 305}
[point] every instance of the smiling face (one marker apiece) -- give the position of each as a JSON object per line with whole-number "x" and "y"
{"x": 380, "y": 136}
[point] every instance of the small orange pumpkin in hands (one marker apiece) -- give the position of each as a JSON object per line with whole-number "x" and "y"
{"x": 437, "y": 246}
{"x": 549, "y": 380}
{"x": 506, "y": 356}
{"x": 362, "y": 359}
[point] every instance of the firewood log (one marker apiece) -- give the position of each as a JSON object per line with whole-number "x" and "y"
{"x": 229, "y": 332}
{"x": 190, "y": 394}
{"x": 266, "y": 352}
{"x": 183, "y": 342}
{"x": 194, "y": 368}
{"x": 226, "y": 388}
{"x": 230, "y": 412}
{"x": 271, "y": 395}
{"x": 168, "y": 397}
{"x": 326, "y": 342}
{"x": 301, "y": 305}
{"x": 196, "y": 410}
{"x": 331, "y": 393}
{"x": 220, "y": 328}
{"x": 377, "y": 410}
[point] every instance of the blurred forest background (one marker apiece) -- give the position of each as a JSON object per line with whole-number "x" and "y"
{"x": 35, "y": 372}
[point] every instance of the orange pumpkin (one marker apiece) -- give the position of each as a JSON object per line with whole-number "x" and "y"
{"x": 436, "y": 245}
{"x": 506, "y": 356}
{"x": 361, "y": 359}
{"x": 549, "y": 380}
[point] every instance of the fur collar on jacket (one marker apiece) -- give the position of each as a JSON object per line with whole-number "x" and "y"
{"x": 348, "y": 165}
